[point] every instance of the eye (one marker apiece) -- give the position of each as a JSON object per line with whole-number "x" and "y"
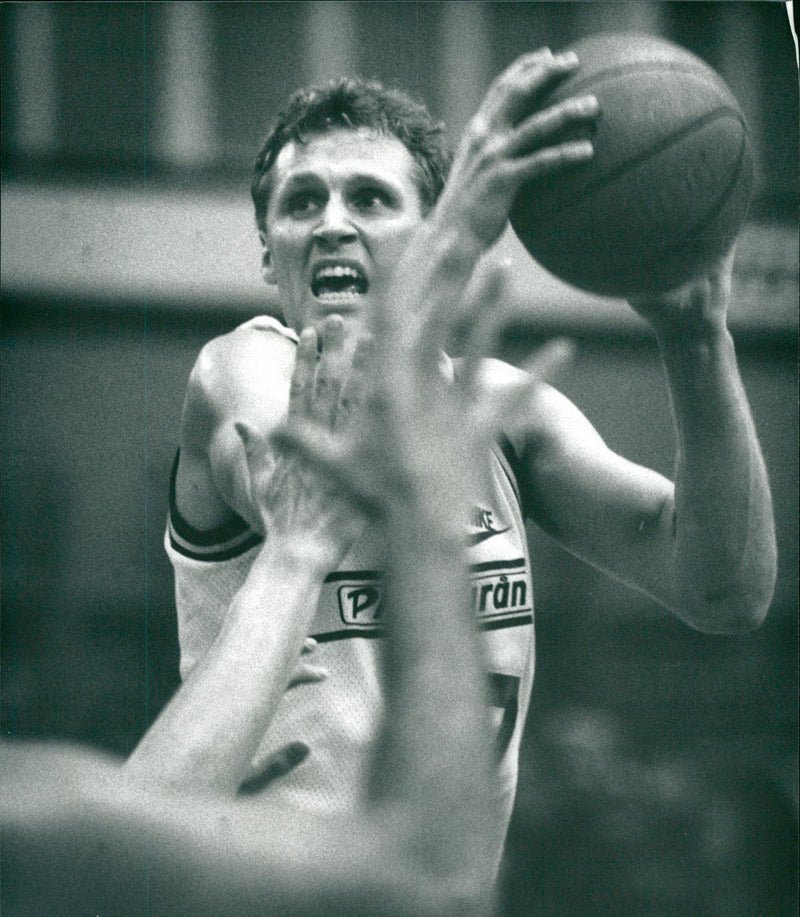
{"x": 303, "y": 203}
{"x": 370, "y": 198}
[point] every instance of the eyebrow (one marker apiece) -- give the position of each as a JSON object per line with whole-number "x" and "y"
{"x": 293, "y": 182}
{"x": 304, "y": 179}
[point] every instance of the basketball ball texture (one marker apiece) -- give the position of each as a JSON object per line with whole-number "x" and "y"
{"x": 671, "y": 179}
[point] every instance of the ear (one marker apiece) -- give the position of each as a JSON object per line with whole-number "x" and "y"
{"x": 267, "y": 270}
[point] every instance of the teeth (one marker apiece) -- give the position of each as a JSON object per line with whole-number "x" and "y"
{"x": 338, "y": 281}
{"x": 338, "y": 270}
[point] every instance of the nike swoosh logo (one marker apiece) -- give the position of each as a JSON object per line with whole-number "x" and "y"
{"x": 477, "y": 537}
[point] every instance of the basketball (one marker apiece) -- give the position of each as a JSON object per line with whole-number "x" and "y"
{"x": 671, "y": 179}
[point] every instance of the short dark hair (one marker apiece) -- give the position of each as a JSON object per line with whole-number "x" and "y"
{"x": 354, "y": 103}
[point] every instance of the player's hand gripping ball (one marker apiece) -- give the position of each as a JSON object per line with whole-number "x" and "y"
{"x": 670, "y": 183}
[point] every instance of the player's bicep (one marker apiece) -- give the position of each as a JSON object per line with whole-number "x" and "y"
{"x": 609, "y": 511}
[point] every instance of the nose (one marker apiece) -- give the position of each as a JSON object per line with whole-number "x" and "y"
{"x": 335, "y": 226}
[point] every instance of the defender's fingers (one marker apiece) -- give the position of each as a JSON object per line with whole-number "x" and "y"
{"x": 331, "y": 370}
{"x": 398, "y": 344}
{"x": 301, "y": 388}
{"x": 504, "y": 410}
{"x": 549, "y": 359}
{"x": 361, "y": 378}
{"x": 334, "y": 460}
{"x": 486, "y": 314}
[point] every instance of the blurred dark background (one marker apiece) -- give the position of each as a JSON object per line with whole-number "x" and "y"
{"x": 659, "y": 771}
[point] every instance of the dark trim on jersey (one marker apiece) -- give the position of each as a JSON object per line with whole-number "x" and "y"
{"x": 372, "y": 633}
{"x": 339, "y": 575}
{"x": 497, "y": 565}
{"x": 511, "y": 621}
{"x": 332, "y": 635}
{"x": 514, "y": 471}
{"x": 221, "y": 543}
{"x": 241, "y": 547}
{"x": 233, "y": 538}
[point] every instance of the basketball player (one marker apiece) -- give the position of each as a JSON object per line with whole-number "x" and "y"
{"x": 351, "y": 198}
{"x": 83, "y": 835}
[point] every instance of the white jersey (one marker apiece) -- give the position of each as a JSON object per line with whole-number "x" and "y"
{"x": 339, "y": 717}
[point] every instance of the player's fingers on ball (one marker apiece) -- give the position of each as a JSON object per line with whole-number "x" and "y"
{"x": 532, "y": 62}
{"x": 577, "y": 114}
{"x": 552, "y": 159}
{"x": 301, "y": 386}
{"x": 523, "y": 87}
{"x": 498, "y": 105}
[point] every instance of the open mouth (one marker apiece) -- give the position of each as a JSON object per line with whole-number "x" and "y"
{"x": 338, "y": 283}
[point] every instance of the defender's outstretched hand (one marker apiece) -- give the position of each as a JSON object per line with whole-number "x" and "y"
{"x": 421, "y": 432}
{"x": 298, "y": 506}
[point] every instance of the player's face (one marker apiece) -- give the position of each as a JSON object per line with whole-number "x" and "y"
{"x": 342, "y": 209}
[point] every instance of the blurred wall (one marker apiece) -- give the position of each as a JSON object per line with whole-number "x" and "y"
{"x": 127, "y": 242}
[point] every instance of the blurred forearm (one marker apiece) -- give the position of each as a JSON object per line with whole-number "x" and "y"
{"x": 206, "y": 736}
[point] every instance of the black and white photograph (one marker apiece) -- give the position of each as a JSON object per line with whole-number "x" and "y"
{"x": 399, "y": 458}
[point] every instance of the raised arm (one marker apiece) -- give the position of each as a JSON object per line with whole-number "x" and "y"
{"x": 721, "y": 518}
{"x": 703, "y": 547}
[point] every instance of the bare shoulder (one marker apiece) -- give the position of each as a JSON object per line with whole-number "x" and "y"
{"x": 548, "y": 418}
{"x": 242, "y": 375}
{"x": 249, "y": 361}
{"x": 238, "y": 378}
